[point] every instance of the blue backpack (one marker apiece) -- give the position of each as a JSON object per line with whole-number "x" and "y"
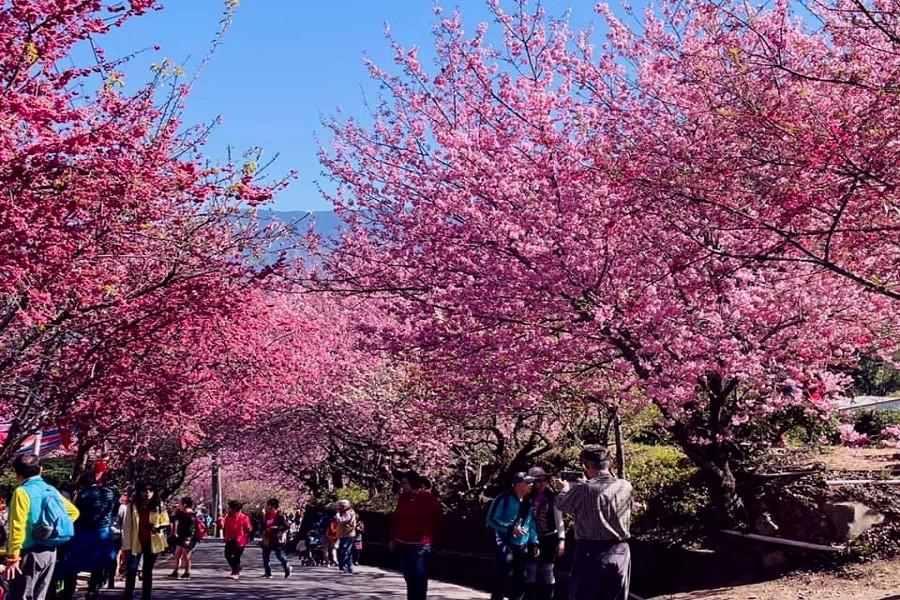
{"x": 54, "y": 526}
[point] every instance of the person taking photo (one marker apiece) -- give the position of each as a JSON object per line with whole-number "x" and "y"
{"x": 601, "y": 504}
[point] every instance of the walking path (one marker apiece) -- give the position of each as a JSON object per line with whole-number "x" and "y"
{"x": 209, "y": 581}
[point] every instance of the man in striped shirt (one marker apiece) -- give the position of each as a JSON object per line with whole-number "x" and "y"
{"x": 601, "y": 565}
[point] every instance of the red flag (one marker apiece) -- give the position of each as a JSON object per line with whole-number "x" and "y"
{"x": 100, "y": 467}
{"x": 65, "y": 434}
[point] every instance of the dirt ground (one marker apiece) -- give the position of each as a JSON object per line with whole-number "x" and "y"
{"x": 875, "y": 580}
{"x": 838, "y": 460}
{"x": 875, "y": 460}
{"x": 872, "y": 581}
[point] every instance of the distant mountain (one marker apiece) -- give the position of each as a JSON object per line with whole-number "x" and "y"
{"x": 327, "y": 224}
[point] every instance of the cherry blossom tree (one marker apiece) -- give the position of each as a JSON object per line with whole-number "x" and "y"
{"x": 496, "y": 213}
{"x": 121, "y": 246}
{"x": 332, "y": 408}
{"x": 768, "y": 133}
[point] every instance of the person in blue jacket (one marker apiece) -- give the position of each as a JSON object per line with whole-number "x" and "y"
{"x": 512, "y": 521}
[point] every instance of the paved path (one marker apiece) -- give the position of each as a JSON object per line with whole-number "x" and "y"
{"x": 209, "y": 581}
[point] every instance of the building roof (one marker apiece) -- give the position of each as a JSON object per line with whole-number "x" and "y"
{"x": 876, "y": 402}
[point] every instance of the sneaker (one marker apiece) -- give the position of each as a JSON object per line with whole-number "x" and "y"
{"x": 232, "y": 576}
{"x": 173, "y": 575}
{"x": 288, "y": 571}
{"x": 186, "y": 576}
{"x": 267, "y": 576}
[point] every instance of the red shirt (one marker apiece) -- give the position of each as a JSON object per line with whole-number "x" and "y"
{"x": 416, "y": 518}
{"x": 237, "y": 528}
{"x": 145, "y": 529}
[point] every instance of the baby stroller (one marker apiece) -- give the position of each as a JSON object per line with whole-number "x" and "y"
{"x": 312, "y": 550}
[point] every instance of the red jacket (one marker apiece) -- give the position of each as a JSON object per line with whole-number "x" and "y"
{"x": 237, "y": 529}
{"x": 416, "y": 518}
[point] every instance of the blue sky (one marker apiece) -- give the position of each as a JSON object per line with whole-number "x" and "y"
{"x": 285, "y": 64}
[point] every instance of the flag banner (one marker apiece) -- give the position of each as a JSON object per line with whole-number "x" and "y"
{"x": 52, "y": 439}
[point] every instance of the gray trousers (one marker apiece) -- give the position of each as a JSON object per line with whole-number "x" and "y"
{"x": 33, "y": 582}
{"x": 600, "y": 571}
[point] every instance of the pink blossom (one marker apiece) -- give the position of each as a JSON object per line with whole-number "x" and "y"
{"x": 850, "y": 437}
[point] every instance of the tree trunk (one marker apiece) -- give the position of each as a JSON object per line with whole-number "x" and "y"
{"x": 604, "y": 430}
{"x": 620, "y": 444}
{"x": 174, "y": 483}
{"x": 715, "y": 464}
{"x": 724, "y": 494}
{"x": 81, "y": 457}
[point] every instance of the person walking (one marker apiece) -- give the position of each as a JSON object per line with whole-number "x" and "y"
{"x": 358, "y": 540}
{"x": 551, "y": 531}
{"x": 220, "y": 522}
{"x": 204, "y": 517}
{"x": 294, "y": 537}
{"x": 601, "y": 565}
{"x": 274, "y": 537}
{"x": 143, "y": 538}
{"x": 346, "y": 522}
{"x": 117, "y": 569}
{"x": 236, "y": 530}
{"x": 40, "y": 520}
{"x": 185, "y": 528}
{"x": 511, "y": 518}
{"x": 93, "y": 549}
{"x": 413, "y": 527}
{"x": 331, "y": 541}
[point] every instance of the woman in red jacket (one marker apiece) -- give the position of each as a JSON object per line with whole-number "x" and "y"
{"x": 236, "y": 531}
{"x": 413, "y": 527}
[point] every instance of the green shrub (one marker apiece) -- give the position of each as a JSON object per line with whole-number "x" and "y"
{"x": 356, "y": 495}
{"x": 653, "y": 469}
{"x": 57, "y": 472}
{"x": 359, "y": 497}
{"x": 673, "y": 491}
{"x": 875, "y": 377}
{"x": 814, "y": 432}
{"x": 873, "y": 422}
{"x": 646, "y": 427}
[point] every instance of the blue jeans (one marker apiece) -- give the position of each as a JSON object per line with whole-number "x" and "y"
{"x": 279, "y": 554}
{"x": 345, "y": 554}
{"x": 414, "y": 564}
